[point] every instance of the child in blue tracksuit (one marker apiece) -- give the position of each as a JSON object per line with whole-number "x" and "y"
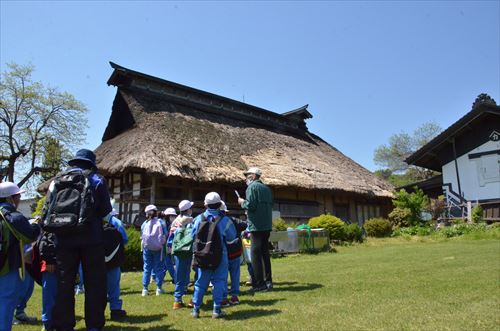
{"x": 170, "y": 215}
{"x": 12, "y": 271}
{"x": 46, "y": 247}
{"x": 152, "y": 256}
{"x": 235, "y": 249}
{"x": 113, "y": 275}
{"x": 182, "y": 264}
{"x": 218, "y": 277}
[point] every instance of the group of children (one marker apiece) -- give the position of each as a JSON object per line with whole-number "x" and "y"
{"x": 177, "y": 243}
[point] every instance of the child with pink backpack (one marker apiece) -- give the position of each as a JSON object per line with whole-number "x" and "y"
{"x": 153, "y": 242}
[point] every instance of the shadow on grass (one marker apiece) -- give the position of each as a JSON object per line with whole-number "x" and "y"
{"x": 299, "y": 288}
{"x": 132, "y": 319}
{"x": 269, "y": 302}
{"x": 250, "y": 313}
{"x": 134, "y": 328}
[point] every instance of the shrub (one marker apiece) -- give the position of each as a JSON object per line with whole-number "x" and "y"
{"x": 414, "y": 231}
{"x": 353, "y": 233}
{"x": 279, "y": 224}
{"x": 477, "y": 214}
{"x": 415, "y": 202}
{"x": 400, "y": 217}
{"x": 133, "y": 253}
{"x": 378, "y": 227}
{"x": 334, "y": 225}
{"x": 39, "y": 207}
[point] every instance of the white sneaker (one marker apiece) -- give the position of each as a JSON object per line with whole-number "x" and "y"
{"x": 144, "y": 292}
{"x": 159, "y": 291}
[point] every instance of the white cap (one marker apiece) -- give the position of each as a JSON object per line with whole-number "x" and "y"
{"x": 185, "y": 205}
{"x": 170, "y": 211}
{"x": 253, "y": 170}
{"x": 150, "y": 207}
{"x": 8, "y": 189}
{"x": 211, "y": 198}
{"x": 223, "y": 206}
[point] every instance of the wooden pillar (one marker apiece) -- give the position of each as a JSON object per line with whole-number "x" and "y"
{"x": 153, "y": 190}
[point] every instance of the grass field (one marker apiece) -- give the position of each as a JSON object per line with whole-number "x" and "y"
{"x": 387, "y": 284}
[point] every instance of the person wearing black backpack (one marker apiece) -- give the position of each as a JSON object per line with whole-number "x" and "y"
{"x": 211, "y": 230}
{"x": 15, "y": 231}
{"x": 80, "y": 243}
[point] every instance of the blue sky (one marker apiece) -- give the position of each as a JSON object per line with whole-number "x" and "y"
{"x": 367, "y": 70}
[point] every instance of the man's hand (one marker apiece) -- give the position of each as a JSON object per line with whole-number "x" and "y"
{"x": 240, "y": 201}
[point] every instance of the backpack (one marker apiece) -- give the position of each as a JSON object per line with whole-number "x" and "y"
{"x": 47, "y": 247}
{"x": 114, "y": 250}
{"x": 182, "y": 244}
{"x": 6, "y": 229}
{"x": 153, "y": 237}
{"x": 207, "y": 244}
{"x": 234, "y": 248}
{"x": 70, "y": 203}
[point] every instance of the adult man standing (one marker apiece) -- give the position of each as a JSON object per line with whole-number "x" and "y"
{"x": 259, "y": 203}
{"x": 85, "y": 247}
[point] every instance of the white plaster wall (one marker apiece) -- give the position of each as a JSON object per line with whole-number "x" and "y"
{"x": 474, "y": 186}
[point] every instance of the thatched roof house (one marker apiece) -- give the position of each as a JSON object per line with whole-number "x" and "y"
{"x": 165, "y": 142}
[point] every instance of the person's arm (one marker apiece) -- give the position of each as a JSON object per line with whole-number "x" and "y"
{"x": 230, "y": 231}
{"x": 119, "y": 226}
{"x": 251, "y": 199}
{"x": 102, "y": 197}
{"x": 21, "y": 224}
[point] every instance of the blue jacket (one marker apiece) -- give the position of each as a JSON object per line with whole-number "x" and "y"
{"x": 21, "y": 224}
{"x": 119, "y": 226}
{"x": 103, "y": 207}
{"x": 226, "y": 228}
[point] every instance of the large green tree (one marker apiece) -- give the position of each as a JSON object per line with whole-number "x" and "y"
{"x": 30, "y": 114}
{"x": 391, "y": 157}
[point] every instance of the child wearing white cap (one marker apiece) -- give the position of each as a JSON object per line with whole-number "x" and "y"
{"x": 218, "y": 277}
{"x": 153, "y": 242}
{"x": 169, "y": 215}
{"x": 182, "y": 263}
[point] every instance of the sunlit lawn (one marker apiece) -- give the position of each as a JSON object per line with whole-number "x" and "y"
{"x": 390, "y": 284}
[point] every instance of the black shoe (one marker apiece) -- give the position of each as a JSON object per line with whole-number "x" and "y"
{"x": 262, "y": 288}
{"x": 118, "y": 314}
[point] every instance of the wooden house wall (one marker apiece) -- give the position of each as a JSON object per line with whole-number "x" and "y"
{"x": 133, "y": 191}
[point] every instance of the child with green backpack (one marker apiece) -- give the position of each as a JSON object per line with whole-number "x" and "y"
{"x": 15, "y": 231}
{"x": 182, "y": 241}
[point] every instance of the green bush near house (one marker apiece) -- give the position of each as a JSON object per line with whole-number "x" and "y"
{"x": 353, "y": 233}
{"x": 133, "y": 252}
{"x": 334, "y": 225}
{"x": 416, "y": 202}
{"x": 400, "y": 217}
{"x": 378, "y": 227}
{"x": 279, "y": 224}
{"x": 477, "y": 214}
{"x": 39, "y": 207}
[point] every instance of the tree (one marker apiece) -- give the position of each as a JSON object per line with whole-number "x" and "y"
{"x": 54, "y": 155}
{"x": 30, "y": 114}
{"x": 392, "y": 156}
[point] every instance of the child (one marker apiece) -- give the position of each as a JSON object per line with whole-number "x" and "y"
{"x": 226, "y": 232}
{"x": 153, "y": 240}
{"x": 182, "y": 263}
{"x": 46, "y": 247}
{"x": 113, "y": 274}
{"x": 235, "y": 249}
{"x": 169, "y": 216}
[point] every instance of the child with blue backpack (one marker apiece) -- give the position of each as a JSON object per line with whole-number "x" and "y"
{"x": 153, "y": 240}
{"x": 181, "y": 226}
{"x": 212, "y": 230}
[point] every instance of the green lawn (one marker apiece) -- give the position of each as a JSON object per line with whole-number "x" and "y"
{"x": 389, "y": 284}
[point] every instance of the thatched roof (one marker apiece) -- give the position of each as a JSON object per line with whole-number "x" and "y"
{"x": 159, "y": 132}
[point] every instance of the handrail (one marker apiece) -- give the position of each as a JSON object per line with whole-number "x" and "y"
{"x": 450, "y": 190}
